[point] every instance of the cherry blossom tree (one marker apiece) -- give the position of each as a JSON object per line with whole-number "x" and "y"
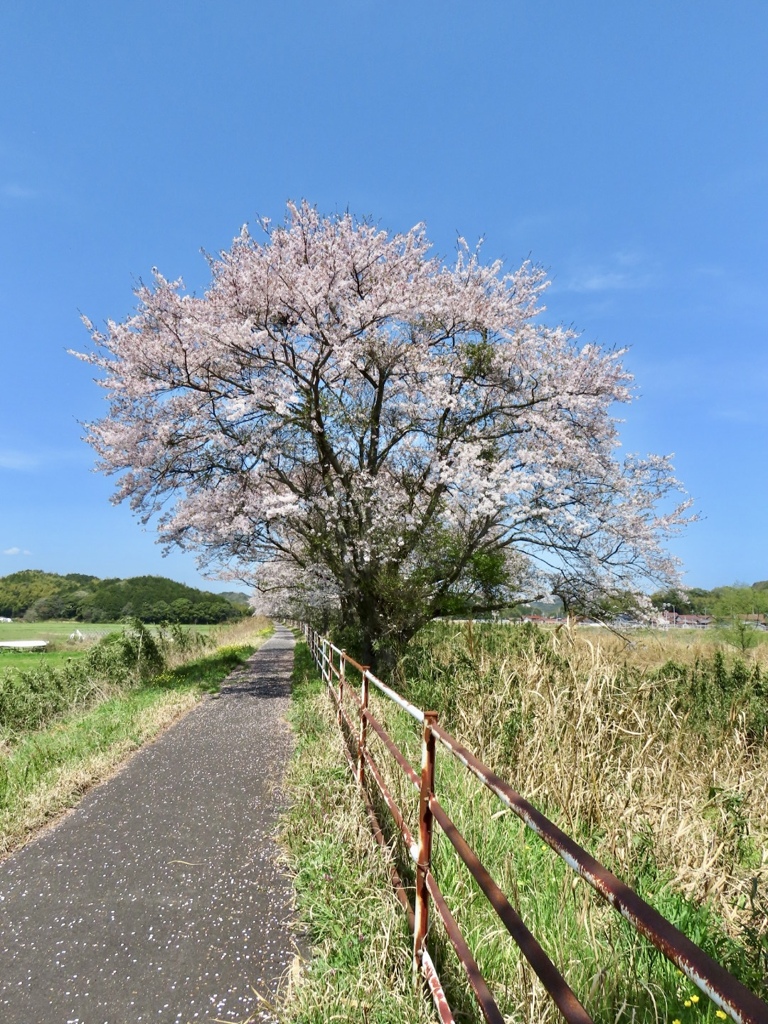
{"x": 354, "y": 425}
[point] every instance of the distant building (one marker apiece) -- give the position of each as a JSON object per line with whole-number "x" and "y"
{"x": 686, "y": 621}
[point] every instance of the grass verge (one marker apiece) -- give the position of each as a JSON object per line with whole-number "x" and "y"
{"x": 618, "y": 976}
{"x": 656, "y": 769}
{"x": 48, "y": 770}
{"x": 360, "y": 968}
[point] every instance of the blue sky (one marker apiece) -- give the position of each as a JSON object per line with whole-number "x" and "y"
{"x": 622, "y": 146}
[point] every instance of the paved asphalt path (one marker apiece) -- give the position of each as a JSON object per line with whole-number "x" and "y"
{"x": 160, "y": 898}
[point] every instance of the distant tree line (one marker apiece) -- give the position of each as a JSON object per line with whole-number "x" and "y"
{"x": 720, "y": 603}
{"x": 35, "y": 595}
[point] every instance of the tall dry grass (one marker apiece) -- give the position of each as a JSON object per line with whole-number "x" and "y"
{"x": 657, "y": 764}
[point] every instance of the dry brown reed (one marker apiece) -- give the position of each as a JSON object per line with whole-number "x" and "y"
{"x": 588, "y": 728}
{"x": 649, "y": 753}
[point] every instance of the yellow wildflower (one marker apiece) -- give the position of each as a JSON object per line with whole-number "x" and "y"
{"x": 694, "y": 999}
{"x": 721, "y": 1015}
{"x": 687, "y": 1002}
{"x": 675, "y": 1021}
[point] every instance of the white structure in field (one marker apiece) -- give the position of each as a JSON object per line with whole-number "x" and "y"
{"x": 24, "y": 645}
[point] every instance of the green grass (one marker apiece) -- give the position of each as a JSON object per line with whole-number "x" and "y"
{"x": 26, "y": 660}
{"x": 657, "y": 769}
{"x": 54, "y": 630}
{"x": 615, "y": 973}
{"x": 60, "y": 648}
{"x": 47, "y": 770}
{"x": 33, "y": 690}
{"x": 58, "y": 631}
{"x": 654, "y": 763}
{"x": 360, "y": 967}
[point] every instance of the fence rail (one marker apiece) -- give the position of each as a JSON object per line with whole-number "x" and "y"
{"x": 335, "y": 664}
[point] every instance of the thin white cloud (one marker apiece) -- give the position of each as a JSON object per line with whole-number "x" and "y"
{"x": 595, "y": 280}
{"x": 624, "y": 270}
{"x": 740, "y": 415}
{"x": 741, "y": 180}
{"x": 28, "y": 461}
{"x": 12, "y": 190}
{"x": 16, "y": 551}
{"x": 554, "y": 218}
{"x": 742, "y": 294}
{"x": 11, "y": 459}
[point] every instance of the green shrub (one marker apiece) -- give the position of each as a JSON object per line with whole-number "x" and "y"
{"x": 120, "y": 660}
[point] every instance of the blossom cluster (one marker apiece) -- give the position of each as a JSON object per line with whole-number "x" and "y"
{"x": 342, "y": 406}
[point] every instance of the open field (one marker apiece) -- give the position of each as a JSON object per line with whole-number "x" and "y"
{"x": 60, "y": 652}
{"x": 53, "y": 629}
{"x": 57, "y": 631}
{"x": 50, "y": 657}
{"x": 60, "y": 648}
{"x": 647, "y": 647}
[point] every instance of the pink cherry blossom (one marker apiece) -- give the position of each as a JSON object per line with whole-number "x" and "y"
{"x": 353, "y": 424}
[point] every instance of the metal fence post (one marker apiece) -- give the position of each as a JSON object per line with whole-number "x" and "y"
{"x": 342, "y": 678}
{"x": 363, "y": 728}
{"x": 421, "y": 923}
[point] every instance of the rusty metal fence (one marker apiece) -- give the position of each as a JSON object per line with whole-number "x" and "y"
{"x": 335, "y": 666}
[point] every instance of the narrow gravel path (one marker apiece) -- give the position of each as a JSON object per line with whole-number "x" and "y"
{"x": 161, "y": 898}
